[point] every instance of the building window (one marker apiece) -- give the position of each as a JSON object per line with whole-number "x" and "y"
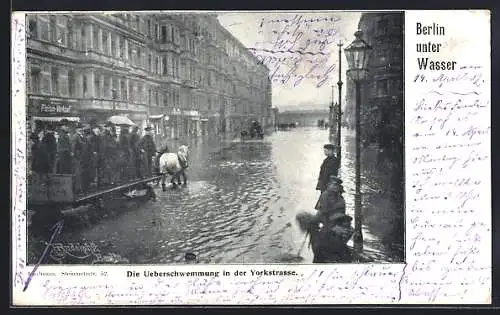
{"x": 113, "y": 46}
{"x": 137, "y": 22}
{"x": 157, "y": 97}
{"x": 155, "y": 70}
{"x": 83, "y": 42}
{"x": 95, "y": 37}
{"x": 165, "y": 65}
{"x": 53, "y": 28}
{"x": 165, "y": 99}
{"x": 139, "y": 57}
{"x": 122, "y": 48}
{"x": 149, "y": 28}
{"x": 382, "y": 88}
{"x": 106, "y": 87}
{"x": 33, "y": 32}
{"x": 157, "y": 35}
{"x": 84, "y": 85}
{"x": 35, "y": 80}
{"x": 54, "y": 79}
{"x": 149, "y": 95}
{"x": 382, "y": 27}
{"x": 71, "y": 83}
{"x": 116, "y": 86}
{"x": 123, "y": 88}
{"x": 163, "y": 33}
{"x": 69, "y": 28}
{"x": 105, "y": 47}
{"x": 140, "y": 95}
{"x": 97, "y": 85}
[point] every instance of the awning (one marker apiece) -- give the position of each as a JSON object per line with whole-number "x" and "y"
{"x": 56, "y": 118}
{"x": 156, "y": 116}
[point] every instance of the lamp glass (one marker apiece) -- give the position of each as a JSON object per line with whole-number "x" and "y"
{"x": 357, "y": 53}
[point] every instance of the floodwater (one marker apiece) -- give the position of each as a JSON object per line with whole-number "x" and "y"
{"x": 241, "y": 201}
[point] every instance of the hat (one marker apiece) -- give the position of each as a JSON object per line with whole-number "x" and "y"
{"x": 148, "y": 128}
{"x": 63, "y": 121}
{"x": 337, "y": 216}
{"x": 329, "y": 146}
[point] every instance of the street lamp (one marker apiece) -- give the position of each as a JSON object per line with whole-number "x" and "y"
{"x": 357, "y": 54}
{"x": 331, "y": 116}
{"x": 339, "y": 113}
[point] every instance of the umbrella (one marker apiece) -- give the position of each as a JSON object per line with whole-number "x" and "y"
{"x": 121, "y": 120}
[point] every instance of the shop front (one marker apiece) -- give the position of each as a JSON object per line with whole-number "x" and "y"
{"x": 46, "y": 111}
{"x": 191, "y": 120}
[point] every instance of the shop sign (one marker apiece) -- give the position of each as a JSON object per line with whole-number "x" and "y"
{"x": 191, "y": 113}
{"x": 52, "y": 108}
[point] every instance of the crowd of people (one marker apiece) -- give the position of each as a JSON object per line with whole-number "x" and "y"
{"x": 93, "y": 153}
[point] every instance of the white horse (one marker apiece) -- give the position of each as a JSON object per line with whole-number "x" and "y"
{"x": 174, "y": 164}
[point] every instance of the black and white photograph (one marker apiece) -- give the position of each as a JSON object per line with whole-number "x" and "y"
{"x": 224, "y": 137}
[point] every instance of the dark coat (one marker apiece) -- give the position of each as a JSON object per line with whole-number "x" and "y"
{"x": 329, "y": 243}
{"x": 148, "y": 144}
{"x": 79, "y": 146}
{"x": 329, "y": 202}
{"x": 134, "y": 145}
{"x": 329, "y": 167}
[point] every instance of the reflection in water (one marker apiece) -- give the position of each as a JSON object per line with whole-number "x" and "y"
{"x": 240, "y": 205}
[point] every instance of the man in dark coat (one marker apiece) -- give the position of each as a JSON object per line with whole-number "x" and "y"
{"x": 88, "y": 159}
{"x": 109, "y": 154}
{"x": 135, "y": 151}
{"x": 329, "y": 240}
{"x": 148, "y": 147}
{"x": 329, "y": 167}
{"x": 49, "y": 147}
{"x": 96, "y": 149}
{"x": 65, "y": 162}
{"x": 78, "y": 147}
{"x": 124, "y": 154}
{"x": 331, "y": 200}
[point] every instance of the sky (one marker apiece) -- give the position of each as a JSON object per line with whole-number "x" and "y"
{"x": 300, "y": 49}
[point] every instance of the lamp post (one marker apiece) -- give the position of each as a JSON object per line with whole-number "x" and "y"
{"x": 339, "y": 113}
{"x": 331, "y": 116}
{"x": 357, "y": 54}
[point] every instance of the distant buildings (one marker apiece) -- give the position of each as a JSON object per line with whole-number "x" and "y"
{"x": 304, "y": 118}
{"x": 382, "y": 98}
{"x": 183, "y": 73}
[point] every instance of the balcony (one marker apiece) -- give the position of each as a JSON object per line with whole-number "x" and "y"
{"x": 53, "y": 49}
{"x": 109, "y": 105}
{"x": 191, "y": 84}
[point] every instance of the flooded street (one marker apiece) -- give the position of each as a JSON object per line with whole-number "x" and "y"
{"x": 240, "y": 205}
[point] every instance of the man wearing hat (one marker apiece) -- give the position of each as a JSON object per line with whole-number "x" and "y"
{"x": 331, "y": 200}
{"x": 78, "y": 147}
{"x": 65, "y": 163}
{"x": 329, "y": 240}
{"x": 330, "y": 166}
{"x": 87, "y": 159}
{"x": 148, "y": 147}
{"x": 135, "y": 150}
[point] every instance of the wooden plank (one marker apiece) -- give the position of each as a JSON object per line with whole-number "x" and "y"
{"x": 117, "y": 188}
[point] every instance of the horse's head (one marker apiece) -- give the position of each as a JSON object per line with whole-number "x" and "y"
{"x": 184, "y": 151}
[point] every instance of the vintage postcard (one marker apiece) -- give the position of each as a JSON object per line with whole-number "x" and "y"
{"x": 272, "y": 157}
